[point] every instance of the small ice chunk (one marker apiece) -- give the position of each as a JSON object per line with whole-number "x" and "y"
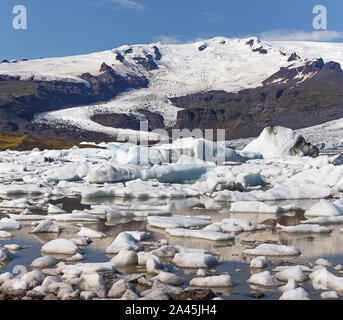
{"x": 200, "y": 234}
{"x": 33, "y": 278}
{"x": 195, "y": 260}
{"x": 295, "y": 294}
{"x": 14, "y": 288}
{"x": 324, "y": 279}
{"x": 5, "y": 276}
{"x": 139, "y": 236}
{"x": 61, "y": 246}
{"x": 259, "y": 263}
{"x": 5, "y": 234}
{"x": 124, "y": 241}
{"x": 221, "y": 281}
{"x": 93, "y": 282}
{"x": 120, "y": 287}
{"x": 265, "y": 279}
{"x": 52, "y": 209}
{"x": 324, "y": 263}
{"x": 267, "y": 249}
{"x": 169, "y": 278}
{"x": 13, "y": 247}
{"x": 90, "y": 233}
{"x": 324, "y": 208}
{"x": 75, "y": 258}
{"x": 295, "y": 273}
{"x": 290, "y": 285}
{"x": 126, "y": 258}
{"x": 329, "y": 295}
{"x": 44, "y": 262}
{"x": 177, "y": 222}
{"x": 9, "y": 224}
{"x": 314, "y": 228}
{"x": 47, "y": 226}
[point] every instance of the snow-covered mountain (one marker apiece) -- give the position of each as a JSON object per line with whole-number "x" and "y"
{"x": 151, "y": 75}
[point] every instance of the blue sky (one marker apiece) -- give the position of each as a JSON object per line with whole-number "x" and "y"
{"x": 69, "y": 27}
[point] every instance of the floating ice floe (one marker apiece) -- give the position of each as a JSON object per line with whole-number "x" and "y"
{"x": 126, "y": 258}
{"x": 76, "y": 216}
{"x": 233, "y": 225}
{"x": 280, "y": 142}
{"x": 44, "y": 262}
{"x": 9, "y": 224}
{"x": 200, "y": 234}
{"x": 141, "y": 190}
{"x": 324, "y": 263}
{"x": 325, "y": 280}
{"x": 13, "y": 247}
{"x": 139, "y": 235}
{"x": 169, "y": 279}
{"x": 285, "y": 191}
{"x": 195, "y": 260}
{"x": 112, "y": 174}
{"x": 21, "y": 189}
{"x": 47, "y": 226}
{"x": 324, "y": 220}
{"x": 185, "y": 170}
{"x": 14, "y": 288}
{"x": 5, "y": 276}
{"x": 90, "y": 233}
{"x": 93, "y": 282}
{"x": 52, "y": 209}
{"x": 324, "y": 208}
{"x": 290, "y": 285}
{"x": 177, "y": 222}
{"x": 267, "y": 249}
{"x": 90, "y": 267}
{"x": 315, "y": 228}
{"x": 33, "y": 278}
{"x": 259, "y": 207}
{"x": 61, "y": 246}
{"x": 124, "y": 241}
{"x": 259, "y": 263}
{"x": 295, "y": 294}
{"x": 265, "y": 279}
{"x": 130, "y": 214}
{"x": 5, "y": 234}
{"x": 214, "y": 281}
{"x": 294, "y": 272}
{"x": 17, "y": 203}
{"x": 329, "y": 295}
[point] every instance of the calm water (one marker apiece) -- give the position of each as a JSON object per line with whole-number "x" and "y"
{"x": 313, "y": 246}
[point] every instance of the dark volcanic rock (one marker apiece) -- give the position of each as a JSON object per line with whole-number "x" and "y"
{"x": 293, "y": 57}
{"x": 148, "y": 63}
{"x": 119, "y": 57}
{"x": 158, "y": 54}
{"x": 317, "y": 99}
{"x": 250, "y": 43}
{"x": 260, "y": 50}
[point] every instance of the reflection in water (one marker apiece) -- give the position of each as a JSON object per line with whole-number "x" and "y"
{"x": 233, "y": 260}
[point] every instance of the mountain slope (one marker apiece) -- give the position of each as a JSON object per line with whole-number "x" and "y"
{"x": 242, "y": 72}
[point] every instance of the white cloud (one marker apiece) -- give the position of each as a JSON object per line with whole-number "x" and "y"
{"x": 130, "y": 4}
{"x": 284, "y": 35}
{"x": 214, "y": 16}
{"x": 171, "y": 39}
